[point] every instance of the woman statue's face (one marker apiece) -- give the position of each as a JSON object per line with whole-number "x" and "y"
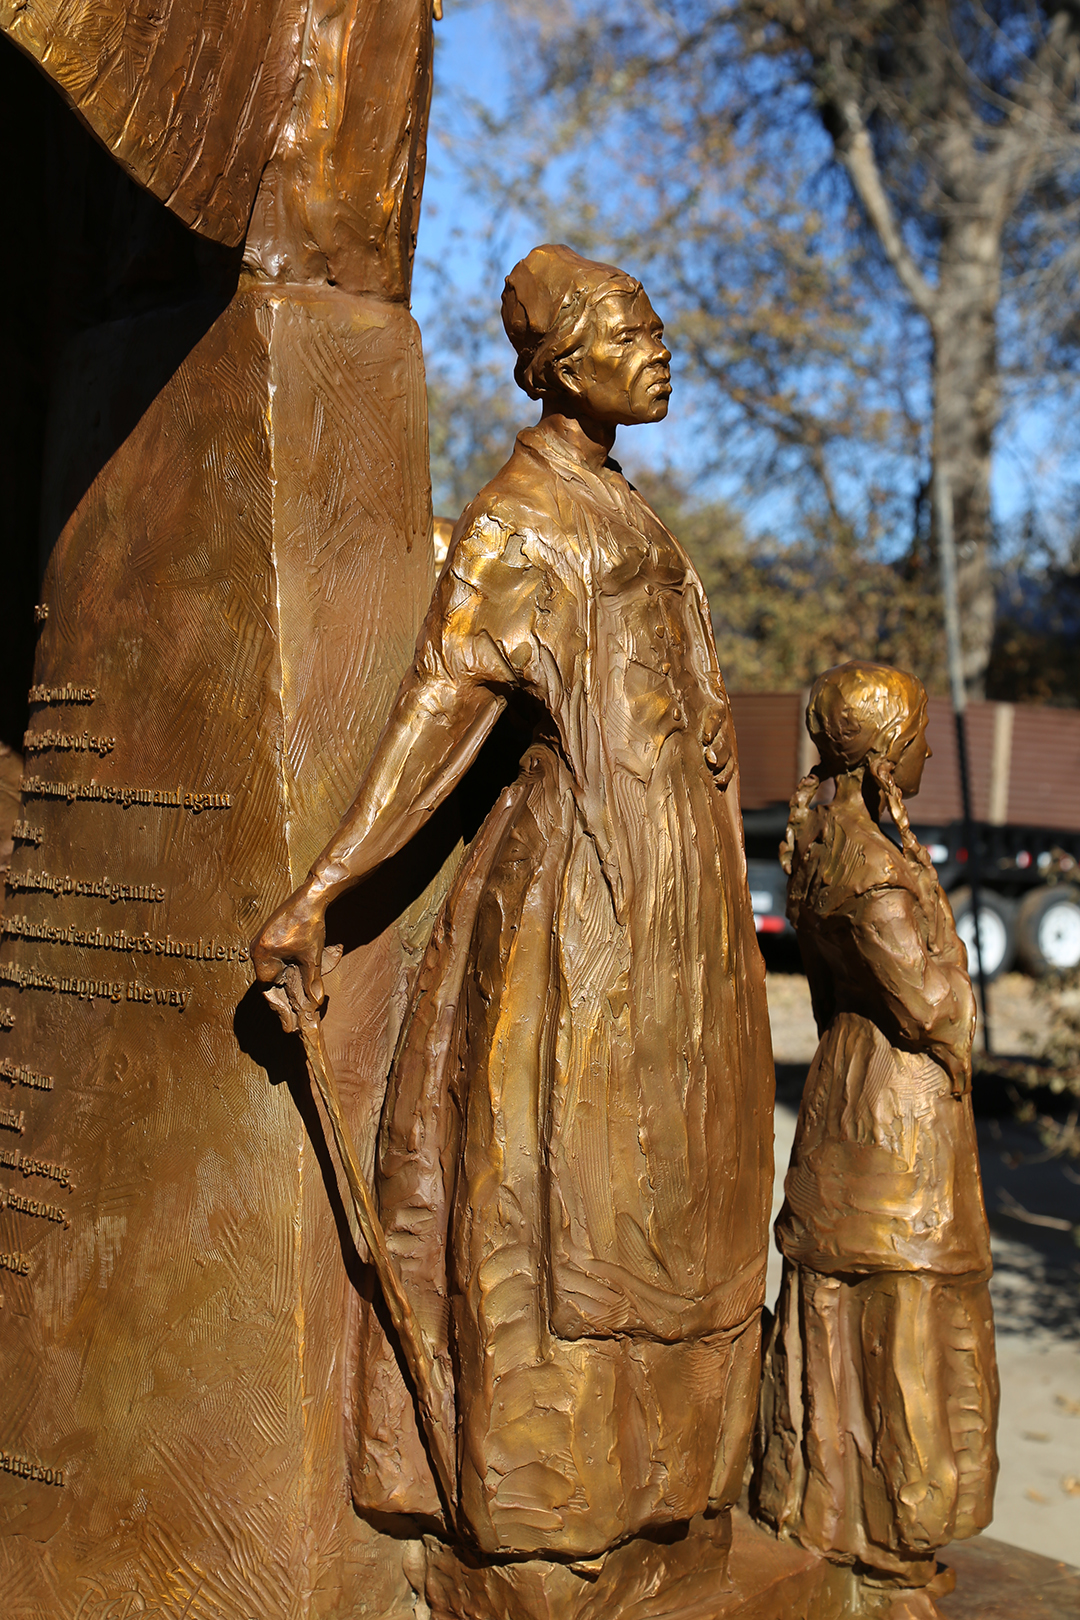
{"x": 624, "y": 374}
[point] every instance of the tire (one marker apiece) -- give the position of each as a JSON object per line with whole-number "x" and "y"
{"x": 997, "y": 925}
{"x": 1048, "y": 930}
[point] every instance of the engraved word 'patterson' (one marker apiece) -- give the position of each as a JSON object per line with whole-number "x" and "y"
{"x": 16, "y": 1262}
{"x": 118, "y": 939}
{"x": 67, "y": 742}
{"x": 17, "y": 1074}
{"x": 31, "y": 978}
{"x": 26, "y": 1468}
{"x": 40, "y": 787}
{"x": 14, "y": 1158}
{"x": 98, "y": 888}
{"x": 33, "y": 1206}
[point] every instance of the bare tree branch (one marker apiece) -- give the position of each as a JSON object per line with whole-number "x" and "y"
{"x": 856, "y": 152}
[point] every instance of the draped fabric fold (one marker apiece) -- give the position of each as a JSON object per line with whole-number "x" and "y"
{"x": 574, "y": 1166}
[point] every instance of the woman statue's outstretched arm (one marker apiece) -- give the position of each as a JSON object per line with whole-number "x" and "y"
{"x": 444, "y": 710}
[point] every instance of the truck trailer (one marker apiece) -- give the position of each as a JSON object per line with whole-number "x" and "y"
{"x": 1025, "y": 781}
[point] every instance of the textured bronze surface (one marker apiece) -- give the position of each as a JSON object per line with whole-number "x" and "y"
{"x": 876, "y": 1438}
{"x": 296, "y": 125}
{"x": 339, "y": 200}
{"x": 574, "y": 1161}
{"x": 225, "y": 617}
{"x": 189, "y": 98}
{"x": 176, "y": 1343}
{"x": 546, "y": 1063}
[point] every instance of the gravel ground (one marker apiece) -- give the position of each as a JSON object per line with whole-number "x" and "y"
{"x": 1036, "y": 1286}
{"x": 1017, "y": 1019}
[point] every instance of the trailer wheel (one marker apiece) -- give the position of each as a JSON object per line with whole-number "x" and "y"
{"x": 1048, "y": 931}
{"x": 997, "y": 930}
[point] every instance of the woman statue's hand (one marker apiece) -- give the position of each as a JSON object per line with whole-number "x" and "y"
{"x": 290, "y": 958}
{"x": 716, "y": 740}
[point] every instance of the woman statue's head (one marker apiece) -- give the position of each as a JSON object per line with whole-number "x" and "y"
{"x": 861, "y": 712}
{"x": 587, "y": 338}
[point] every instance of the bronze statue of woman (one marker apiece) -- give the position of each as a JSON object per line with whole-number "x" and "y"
{"x": 574, "y": 1162}
{"x": 876, "y": 1438}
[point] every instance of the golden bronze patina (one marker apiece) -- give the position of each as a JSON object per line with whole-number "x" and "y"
{"x": 238, "y": 521}
{"x": 521, "y": 1380}
{"x": 875, "y": 1445}
{"x": 574, "y": 1163}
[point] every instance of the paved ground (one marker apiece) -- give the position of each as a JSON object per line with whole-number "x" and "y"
{"x": 1036, "y": 1285}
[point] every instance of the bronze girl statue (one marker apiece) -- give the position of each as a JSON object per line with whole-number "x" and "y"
{"x": 876, "y": 1436}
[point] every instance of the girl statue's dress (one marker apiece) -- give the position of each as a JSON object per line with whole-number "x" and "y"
{"x": 574, "y": 1166}
{"x": 876, "y": 1438}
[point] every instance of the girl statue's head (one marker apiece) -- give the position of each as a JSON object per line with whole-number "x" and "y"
{"x": 586, "y": 337}
{"x": 869, "y": 720}
{"x": 860, "y": 712}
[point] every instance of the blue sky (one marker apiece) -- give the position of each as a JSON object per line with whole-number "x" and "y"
{"x": 471, "y": 42}
{"x": 469, "y": 58}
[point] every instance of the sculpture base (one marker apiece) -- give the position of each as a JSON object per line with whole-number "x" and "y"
{"x": 997, "y": 1582}
{"x": 721, "y": 1568}
{"x": 747, "y": 1576}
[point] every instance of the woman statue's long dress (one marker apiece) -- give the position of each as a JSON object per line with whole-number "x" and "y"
{"x": 574, "y": 1164}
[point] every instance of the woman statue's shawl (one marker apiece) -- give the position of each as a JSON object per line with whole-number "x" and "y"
{"x": 575, "y": 1160}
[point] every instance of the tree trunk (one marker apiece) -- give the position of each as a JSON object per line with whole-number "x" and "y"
{"x": 966, "y": 403}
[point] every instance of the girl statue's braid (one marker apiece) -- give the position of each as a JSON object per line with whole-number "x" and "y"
{"x": 798, "y": 811}
{"x": 881, "y": 769}
{"x": 926, "y": 884}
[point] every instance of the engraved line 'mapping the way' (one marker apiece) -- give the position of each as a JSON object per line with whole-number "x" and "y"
{"x": 41, "y": 787}
{"x": 114, "y": 990}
